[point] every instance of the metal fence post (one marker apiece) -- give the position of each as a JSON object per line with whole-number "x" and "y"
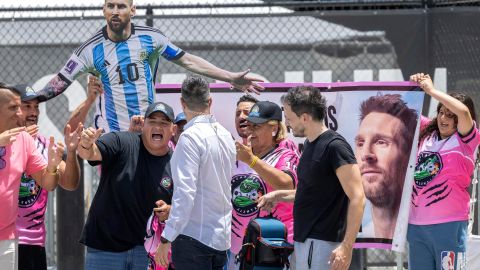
{"x": 70, "y": 219}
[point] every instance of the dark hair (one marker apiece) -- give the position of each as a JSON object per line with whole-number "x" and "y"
{"x": 306, "y": 99}
{"x": 393, "y": 105}
{"x": 433, "y": 126}
{"x": 247, "y": 98}
{"x": 195, "y": 93}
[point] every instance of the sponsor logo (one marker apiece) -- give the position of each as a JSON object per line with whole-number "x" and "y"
{"x": 29, "y": 192}
{"x": 246, "y": 189}
{"x": 254, "y": 112}
{"x": 70, "y": 67}
{"x": 429, "y": 164}
{"x": 29, "y": 91}
{"x": 448, "y": 260}
{"x": 160, "y": 107}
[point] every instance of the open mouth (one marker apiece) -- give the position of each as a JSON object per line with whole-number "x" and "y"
{"x": 157, "y": 137}
{"x": 31, "y": 119}
{"x": 243, "y": 124}
{"x": 443, "y": 125}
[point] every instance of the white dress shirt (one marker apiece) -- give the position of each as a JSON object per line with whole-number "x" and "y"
{"x": 202, "y": 166}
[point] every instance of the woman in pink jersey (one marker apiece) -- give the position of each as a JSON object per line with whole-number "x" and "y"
{"x": 264, "y": 167}
{"x": 437, "y": 231}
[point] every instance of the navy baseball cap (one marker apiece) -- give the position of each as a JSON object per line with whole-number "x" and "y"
{"x": 26, "y": 92}
{"x": 160, "y": 107}
{"x": 264, "y": 111}
{"x": 180, "y": 117}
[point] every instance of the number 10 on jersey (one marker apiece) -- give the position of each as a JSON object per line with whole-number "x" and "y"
{"x": 131, "y": 71}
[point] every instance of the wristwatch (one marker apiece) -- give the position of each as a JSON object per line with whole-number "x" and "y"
{"x": 164, "y": 240}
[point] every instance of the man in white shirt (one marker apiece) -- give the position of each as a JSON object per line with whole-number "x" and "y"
{"x": 199, "y": 223}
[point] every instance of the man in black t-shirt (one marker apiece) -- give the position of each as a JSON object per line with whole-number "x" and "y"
{"x": 329, "y": 200}
{"x": 135, "y": 178}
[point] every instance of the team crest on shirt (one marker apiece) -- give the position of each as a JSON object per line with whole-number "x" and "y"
{"x": 143, "y": 55}
{"x": 166, "y": 182}
{"x": 246, "y": 189}
{"x": 429, "y": 165}
{"x": 29, "y": 192}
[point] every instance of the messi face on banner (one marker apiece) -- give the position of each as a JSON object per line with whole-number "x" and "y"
{"x": 382, "y": 148}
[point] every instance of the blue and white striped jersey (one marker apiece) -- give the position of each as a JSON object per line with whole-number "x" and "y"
{"x": 127, "y": 70}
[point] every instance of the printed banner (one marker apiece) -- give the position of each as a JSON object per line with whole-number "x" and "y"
{"x": 379, "y": 120}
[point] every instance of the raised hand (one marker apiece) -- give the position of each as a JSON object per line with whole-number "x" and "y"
{"x": 424, "y": 81}
{"x": 244, "y": 153}
{"x": 245, "y": 83}
{"x": 136, "y": 123}
{"x": 89, "y": 137}
{"x": 32, "y": 130}
{"x": 55, "y": 153}
{"x": 9, "y": 136}
{"x": 94, "y": 87}
{"x": 72, "y": 138}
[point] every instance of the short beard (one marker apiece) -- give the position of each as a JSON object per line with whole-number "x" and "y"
{"x": 120, "y": 29}
{"x": 299, "y": 133}
{"x": 387, "y": 194}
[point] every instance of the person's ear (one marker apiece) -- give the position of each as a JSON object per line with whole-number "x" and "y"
{"x": 133, "y": 11}
{"x": 183, "y": 104}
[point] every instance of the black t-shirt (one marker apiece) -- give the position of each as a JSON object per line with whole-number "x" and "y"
{"x": 320, "y": 208}
{"x": 131, "y": 181}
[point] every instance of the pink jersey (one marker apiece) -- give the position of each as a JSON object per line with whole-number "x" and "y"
{"x": 247, "y": 187}
{"x": 152, "y": 241}
{"x": 32, "y": 204}
{"x": 16, "y": 158}
{"x": 442, "y": 177}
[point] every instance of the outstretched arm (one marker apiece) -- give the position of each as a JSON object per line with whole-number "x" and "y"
{"x": 239, "y": 80}
{"x": 465, "y": 120}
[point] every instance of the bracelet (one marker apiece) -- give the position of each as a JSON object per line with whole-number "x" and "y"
{"x": 55, "y": 172}
{"x": 254, "y": 161}
{"x": 86, "y": 147}
{"x": 164, "y": 240}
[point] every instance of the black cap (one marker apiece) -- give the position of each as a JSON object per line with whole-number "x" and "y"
{"x": 26, "y": 92}
{"x": 160, "y": 107}
{"x": 264, "y": 111}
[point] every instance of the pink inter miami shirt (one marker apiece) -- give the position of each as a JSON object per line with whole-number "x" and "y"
{"x": 442, "y": 176}
{"x": 16, "y": 158}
